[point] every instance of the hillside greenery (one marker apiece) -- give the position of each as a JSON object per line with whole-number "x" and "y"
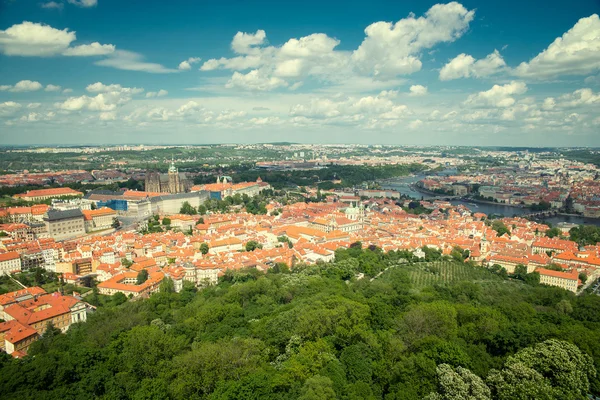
{"x": 405, "y": 330}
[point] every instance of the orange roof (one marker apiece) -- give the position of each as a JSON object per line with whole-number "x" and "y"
{"x": 572, "y": 275}
{"x": 11, "y": 255}
{"x": 12, "y": 297}
{"x": 64, "y": 191}
{"x": 140, "y": 194}
{"x": 104, "y": 211}
{"x": 16, "y": 332}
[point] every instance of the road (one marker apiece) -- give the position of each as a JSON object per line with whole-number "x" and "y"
{"x": 591, "y": 279}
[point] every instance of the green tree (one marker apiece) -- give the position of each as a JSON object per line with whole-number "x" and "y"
{"x": 500, "y": 227}
{"x": 553, "y": 232}
{"x": 318, "y": 388}
{"x": 253, "y": 245}
{"x": 459, "y": 384}
{"x": 142, "y": 277}
{"x": 187, "y": 209}
{"x": 553, "y": 369}
{"x": 115, "y": 224}
{"x": 166, "y": 221}
{"x": 204, "y": 248}
{"x": 202, "y": 209}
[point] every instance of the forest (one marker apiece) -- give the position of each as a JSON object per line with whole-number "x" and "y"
{"x": 369, "y": 325}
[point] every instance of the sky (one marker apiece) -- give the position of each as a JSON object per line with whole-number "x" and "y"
{"x": 487, "y": 72}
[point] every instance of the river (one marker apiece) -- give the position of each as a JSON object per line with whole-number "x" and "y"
{"x": 402, "y": 185}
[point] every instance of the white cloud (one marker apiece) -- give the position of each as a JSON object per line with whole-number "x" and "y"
{"x": 254, "y": 81}
{"x": 97, "y": 103}
{"x": 34, "y": 39}
{"x": 52, "y": 88}
{"x": 187, "y": 64}
{"x": 418, "y": 90}
{"x": 83, "y": 3}
{"x": 368, "y": 111}
{"x": 497, "y": 96}
{"x": 130, "y": 61}
{"x": 160, "y": 93}
{"x": 393, "y": 49}
{"x": 465, "y": 66}
{"x": 93, "y": 49}
{"x": 100, "y": 87}
{"x": 34, "y": 105}
{"x": 9, "y": 108}
{"x": 387, "y": 51}
{"x": 244, "y": 43}
{"x": 67, "y": 91}
{"x": 107, "y": 116}
{"x": 579, "y": 98}
{"x": 310, "y": 55}
{"x": 415, "y": 124}
{"x": 52, "y": 5}
{"x": 22, "y": 86}
{"x": 577, "y": 52}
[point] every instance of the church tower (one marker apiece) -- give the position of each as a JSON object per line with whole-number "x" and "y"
{"x": 174, "y": 186}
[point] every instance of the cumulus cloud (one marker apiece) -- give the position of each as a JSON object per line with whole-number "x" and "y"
{"x": 465, "y": 66}
{"x": 93, "y": 49}
{"x": 387, "y": 51}
{"x": 254, "y": 81}
{"x": 131, "y": 61}
{"x": 107, "y": 116}
{"x": 244, "y": 43}
{"x": 84, "y": 3}
{"x": 100, "y": 87}
{"x": 310, "y": 55}
{"x": 31, "y": 39}
{"x": 394, "y": 49}
{"x": 101, "y": 102}
{"x": 579, "y": 98}
{"x": 497, "y": 96}
{"x": 65, "y": 91}
{"x": 160, "y": 93}
{"x": 418, "y": 90}
{"x": 577, "y": 52}
{"x": 9, "y": 108}
{"x": 22, "y": 86}
{"x": 52, "y": 88}
{"x": 368, "y": 111}
{"x": 187, "y": 64}
{"x": 52, "y": 5}
{"x": 415, "y": 124}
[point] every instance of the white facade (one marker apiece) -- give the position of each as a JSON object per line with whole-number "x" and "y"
{"x": 10, "y": 265}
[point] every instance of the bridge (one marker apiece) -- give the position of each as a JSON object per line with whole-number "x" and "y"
{"x": 540, "y": 214}
{"x": 444, "y": 197}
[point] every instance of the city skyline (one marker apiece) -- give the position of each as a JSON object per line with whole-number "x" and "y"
{"x": 454, "y": 73}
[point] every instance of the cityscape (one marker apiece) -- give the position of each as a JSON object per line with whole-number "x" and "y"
{"x": 308, "y": 218}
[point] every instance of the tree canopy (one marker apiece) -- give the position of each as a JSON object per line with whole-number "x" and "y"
{"x": 370, "y": 325}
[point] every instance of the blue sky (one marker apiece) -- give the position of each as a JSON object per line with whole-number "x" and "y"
{"x": 392, "y": 72}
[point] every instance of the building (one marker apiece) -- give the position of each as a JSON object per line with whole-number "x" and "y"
{"x": 64, "y": 224}
{"x": 99, "y": 219}
{"x": 171, "y": 182}
{"x": 10, "y": 262}
{"x": 45, "y": 194}
{"x": 225, "y": 187}
{"x": 28, "y": 312}
{"x": 566, "y": 280}
{"x": 126, "y": 283}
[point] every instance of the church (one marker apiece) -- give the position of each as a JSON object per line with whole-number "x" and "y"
{"x": 171, "y": 182}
